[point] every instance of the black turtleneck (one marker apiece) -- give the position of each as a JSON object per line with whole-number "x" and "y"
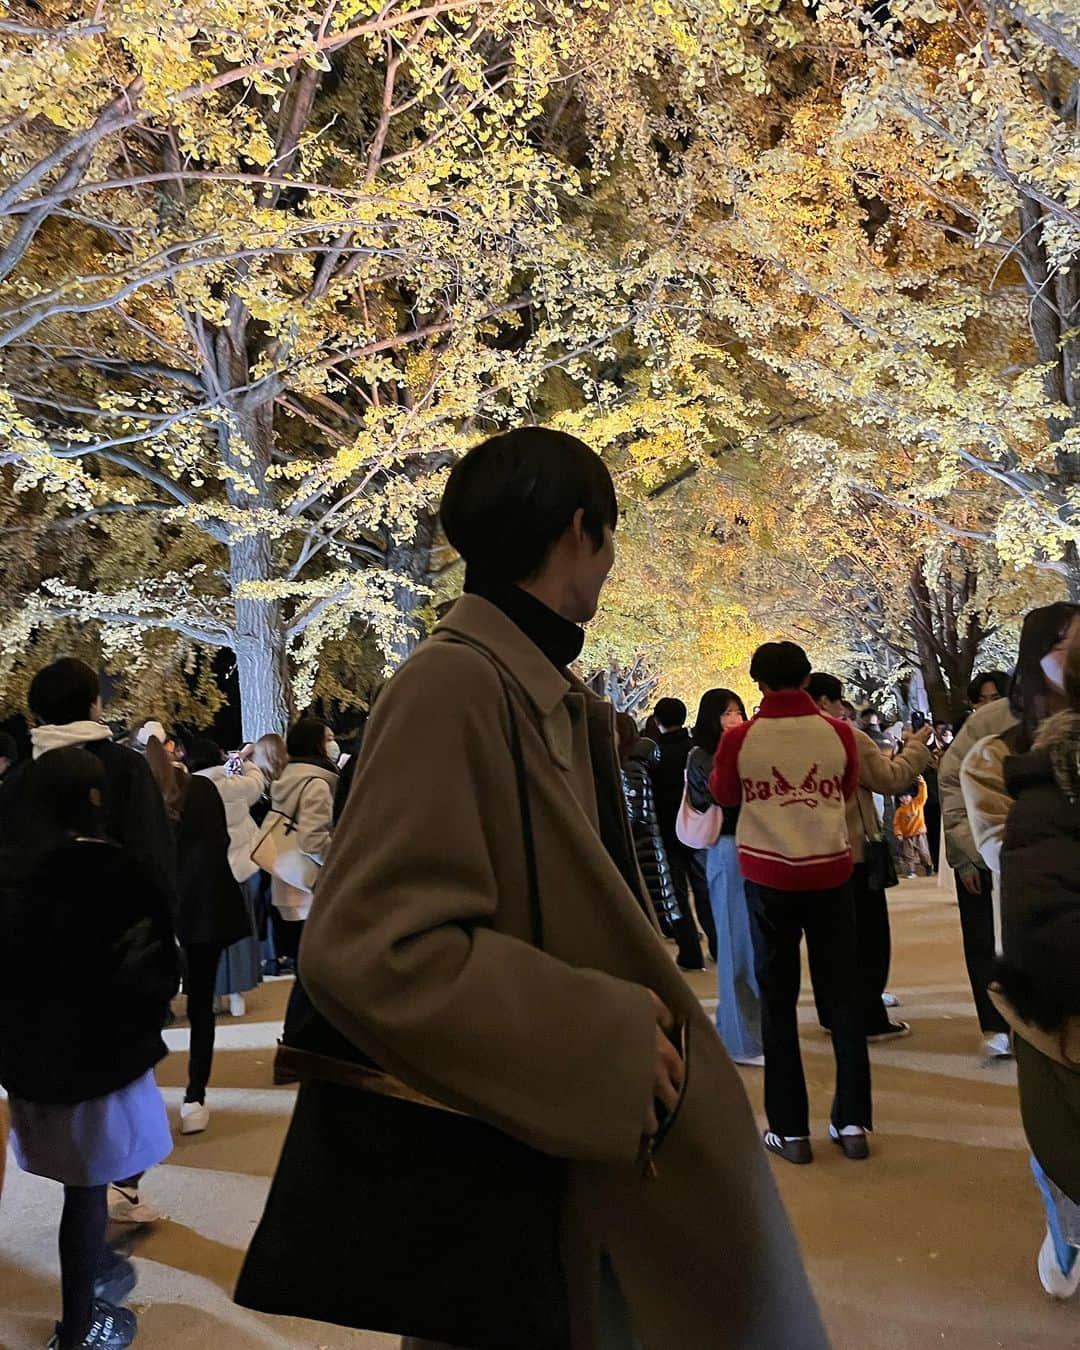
{"x": 560, "y": 640}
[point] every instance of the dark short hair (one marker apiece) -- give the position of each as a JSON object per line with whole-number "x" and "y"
{"x": 780, "y": 665}
{"x": 203, "y": 753}
{"x": 512, "y": 497}
{"x": 671, "y": 712}
{"x": 8, "y": 749}
{"x": 998, "y": 678}
{"x": 307, "y": 738}
{"x": 709, "y": 727}
{"x": 64, "y": 692}
{"x": 825, "y": 686}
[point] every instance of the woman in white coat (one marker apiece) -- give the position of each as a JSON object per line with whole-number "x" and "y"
{"x": 305, "y": 792}
{"x": 240, "y": 783}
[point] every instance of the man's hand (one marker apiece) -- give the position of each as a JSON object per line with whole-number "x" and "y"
{"x": 970, "y": 879}
{"x": 923, "y": 735}
{"x": 668, "y": 1069}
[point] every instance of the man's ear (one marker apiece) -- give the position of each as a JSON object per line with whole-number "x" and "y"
{"x": 95, "y": 797}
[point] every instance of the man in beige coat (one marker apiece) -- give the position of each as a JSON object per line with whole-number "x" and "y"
{"x": 419, "y": 947}
{"x": 877, "y": 773}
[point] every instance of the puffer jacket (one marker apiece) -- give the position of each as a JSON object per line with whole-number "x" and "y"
{"x": 651, "y": 854}
{"x": 304, "y": 791}
{"x": 1039, "y": 976}
{"x": 1040, "y": 862}
{"x": 239, "y": 792}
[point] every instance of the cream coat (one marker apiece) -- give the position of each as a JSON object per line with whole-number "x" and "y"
{"x": 239, "y": 792}
{"x": 419, "y": 950}
{"x": 960, "y": 846}
{"x": 982, "y": 779}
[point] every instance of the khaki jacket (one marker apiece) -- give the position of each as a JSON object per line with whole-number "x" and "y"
{"x": 418, "y": 949}
{"x": 878, "y": 773}
{"x": 960, "y": 846}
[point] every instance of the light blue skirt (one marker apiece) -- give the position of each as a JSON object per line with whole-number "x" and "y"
{"x": 738, "y": 1009}
{"x": 240, "y": 967}
{"x": 94, "y": 1142}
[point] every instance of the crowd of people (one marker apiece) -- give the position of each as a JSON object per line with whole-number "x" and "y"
{"x": 490, "y": 1034}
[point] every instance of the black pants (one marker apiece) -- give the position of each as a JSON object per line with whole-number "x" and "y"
{"x": 688, "y": 876}
{"x": 287, "y": 935}
{"x": 778, "y": 920}
{"x": 875, "y": 954}
{"x": 699, "y": 885}
{"x": 200, "y": 975}
{"x": 82, "y": 1258}
{"x": 932, "y": 812}
{"x": 977, "y": 926}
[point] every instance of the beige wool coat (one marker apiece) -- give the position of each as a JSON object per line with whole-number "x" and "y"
{"x": 418, "y": 948}
{"x": 878, "y": 773}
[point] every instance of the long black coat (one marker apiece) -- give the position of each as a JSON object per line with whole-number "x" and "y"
{"x": 668, "y": 773}
{"x": 651, "y": 854}
{"x": 90, "y": 964}
{"x": 1040, "y": 882}
{"x": 210, "y": 905}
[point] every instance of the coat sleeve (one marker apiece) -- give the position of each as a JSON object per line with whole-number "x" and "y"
{"x": 316, "y": 812}
{"x": 401, "y": 955}
{"x": 252, "y": 784}
{"x": 851, "y": 752}
{"x": 960, "y": 846}
{"x": 878, "y": 773}
{"x": 725, "y": 783}
{"x": 982, "y": 779}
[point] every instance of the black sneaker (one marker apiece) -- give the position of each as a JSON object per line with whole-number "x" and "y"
{"x": 116, "y": 1281}
{"x": 797, "y": 1151}
{"x": 110, "y": 1329}
{"x": 855, "y": 1146}
{"x": 895, "y": 1031}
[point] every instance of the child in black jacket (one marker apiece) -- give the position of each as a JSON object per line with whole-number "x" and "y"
{"x": 77, "y": 1057}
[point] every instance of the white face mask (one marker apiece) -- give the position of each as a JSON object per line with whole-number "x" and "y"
{"x": 333, "y": 752}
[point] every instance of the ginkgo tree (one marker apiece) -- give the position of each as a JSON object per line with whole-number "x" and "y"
{"x": 265, "y": 270}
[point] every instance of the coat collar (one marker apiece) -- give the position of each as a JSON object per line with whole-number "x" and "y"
{"x": 482, "y": 624}
{"x": 789, "y": 703}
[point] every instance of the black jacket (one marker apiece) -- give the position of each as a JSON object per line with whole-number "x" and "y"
{"x": 90, "y": 964}
{"x": 1040, "y": 888}
{"x": 651, "y": 853}
{"x": 698, "y": 772}
{"x": 133, "y": 810}
{"x": 210, "y": 904}
{"x": 668, "y": 773}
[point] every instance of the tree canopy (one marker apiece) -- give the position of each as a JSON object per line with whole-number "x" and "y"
{"x": 805, "y": 273}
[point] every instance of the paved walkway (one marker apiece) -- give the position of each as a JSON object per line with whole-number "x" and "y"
{"x": 930, "y": 1244}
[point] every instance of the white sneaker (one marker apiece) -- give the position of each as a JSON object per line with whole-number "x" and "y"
{"x": 890, "y": 1000}
{"x": 126, "y": 1207}
{"x": 237, "y": 1006}
{"x": 194, "y": 1117}
{"x": 1054, "y": 1280}
{"x": 752, "y": 1061}
{"x": 998, "y": 1046}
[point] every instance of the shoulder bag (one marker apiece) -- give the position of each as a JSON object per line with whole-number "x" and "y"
{"x": 698, "y": 829}
{"x": 276, "y": 852}
{"x": 390, "y": 1212}
{"x": 880, "y": 867}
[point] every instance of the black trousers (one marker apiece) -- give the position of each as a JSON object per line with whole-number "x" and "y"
{"x": 200, "y": 975}
{"x": 977, "y": 926}
{"x": 778, "y": 920}
{"x": 932, "y": 812}
{"x": 688, "y": 876}
{"x": 684, "y": 929}
{"x": 83, "y": 1256}
{"x": 875, "y": 954}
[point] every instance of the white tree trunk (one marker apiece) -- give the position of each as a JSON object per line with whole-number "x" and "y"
{"x": 259, "y": 644}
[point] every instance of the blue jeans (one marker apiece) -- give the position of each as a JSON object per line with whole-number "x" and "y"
{"x": 738, "y": 1002}
{"x": 1062, "y": 1219}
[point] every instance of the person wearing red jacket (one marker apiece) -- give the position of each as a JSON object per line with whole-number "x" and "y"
{"x": 792, "y": 771}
